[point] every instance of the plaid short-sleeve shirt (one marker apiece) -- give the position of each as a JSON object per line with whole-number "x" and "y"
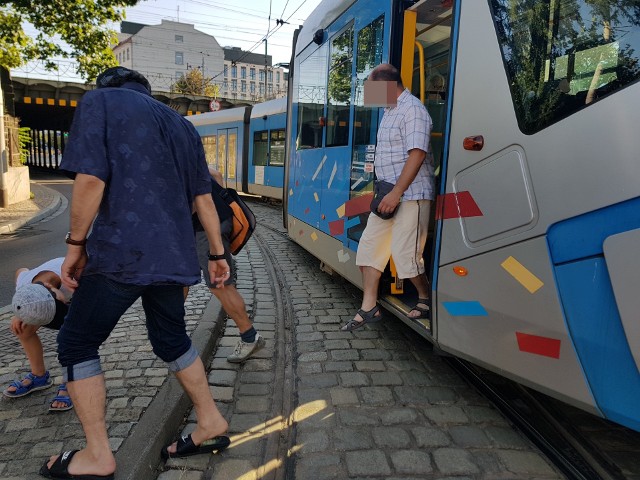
{"x": 405, "y": 127}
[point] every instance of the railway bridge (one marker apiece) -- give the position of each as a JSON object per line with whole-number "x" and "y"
{"x": 46, "y": 107}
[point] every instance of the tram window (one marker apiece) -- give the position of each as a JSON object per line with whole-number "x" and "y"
{"x": 310, "y": 97}
{"x": 563, "y": 55}
{"x": 365, "y": 123}
{"x": 276, "y": 148}
{"x": 222, "y": 153}
{"x": 260, "y": 148}
{"x": 233, "y": 150}
{"x": 339, "y": 88}
{"x": 210, "y": 150}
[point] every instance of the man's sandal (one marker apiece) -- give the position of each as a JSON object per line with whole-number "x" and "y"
{"x": 185, "y": 447}
{"x": 64, "y": 399}
{"x": 367, "y": 317}
{"x": 424, "y": 312}
{"x": 22, "y": 389}
{"x": 60, "y": 469}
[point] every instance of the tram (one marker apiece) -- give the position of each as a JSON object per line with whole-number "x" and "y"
{"x": 532, "y": 248}
{"x": 246, "y": 145}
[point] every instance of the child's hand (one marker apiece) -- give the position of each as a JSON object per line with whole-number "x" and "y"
{"x": 17, "y": 326}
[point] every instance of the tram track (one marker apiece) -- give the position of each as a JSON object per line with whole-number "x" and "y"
{"x": 277, "y": 454}
{"x": 566, "y": 443}
{"x": 548, "y": 428}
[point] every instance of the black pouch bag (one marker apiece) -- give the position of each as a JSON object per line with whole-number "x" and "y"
{"x": 380, "y": 189}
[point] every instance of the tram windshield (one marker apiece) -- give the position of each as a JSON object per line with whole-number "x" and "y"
{"x": 563, "y": 55}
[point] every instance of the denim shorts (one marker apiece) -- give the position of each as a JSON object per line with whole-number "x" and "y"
{"x": 98, "y": 304}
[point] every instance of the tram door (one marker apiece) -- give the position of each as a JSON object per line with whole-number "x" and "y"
{"x": 228, "y": 156}
{"x": 425, "y": 67}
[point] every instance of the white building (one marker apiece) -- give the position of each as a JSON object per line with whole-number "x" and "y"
{"x": 244, "y": 79}
{"x": 163, "y": 53}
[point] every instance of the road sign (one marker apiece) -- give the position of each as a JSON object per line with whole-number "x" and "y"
{"x": 214, "y": 105}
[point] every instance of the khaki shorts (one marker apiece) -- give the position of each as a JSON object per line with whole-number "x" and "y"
{"x": 403, "y": 237}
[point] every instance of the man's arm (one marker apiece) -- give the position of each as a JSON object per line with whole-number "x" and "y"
{"x": 85, "y": 202}
{"x": 218, "y": 269}
{"x": 408, "y": 175}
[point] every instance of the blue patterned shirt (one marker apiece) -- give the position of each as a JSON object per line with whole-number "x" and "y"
{"x": 152, "y": 162}
{"x": 405, "y": 127}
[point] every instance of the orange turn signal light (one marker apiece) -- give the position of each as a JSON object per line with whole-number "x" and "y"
{"x": 460, "y": 271}
{"x": 473, "y": 143}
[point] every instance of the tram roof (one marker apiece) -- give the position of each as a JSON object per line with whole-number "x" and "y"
{"x": 271, "y": 107}
{"x": 222, "y": 116}
{"x": 323, "y": 16}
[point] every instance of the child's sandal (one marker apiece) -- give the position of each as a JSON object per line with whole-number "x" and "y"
{"x": 35, "y": 383}
{"x": 64, "y": 399}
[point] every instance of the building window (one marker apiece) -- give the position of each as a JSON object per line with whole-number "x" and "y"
{"x": 234, "y": 71}
{"x": 226, "y": 70}
{"x": 234, "y": 85}
{"x": 262, "y": 75}
{"x": 243, "y": 86}
{"x": 252, "y": 74}
{"x": 270, "y": 89}
{"x": 179, "y": 75}
{"x": 243, "y": 72}
{"x": 179, "y": 39}
{"x": 179, "y": 58}
{"x": 277, "y": 77}
{"x": 261, "y": 89}
{"x": 271, "y": 75}
{"x": 127, "y": 54}
{"x": 252, "y": 87}
{"x": 225, "y": 84}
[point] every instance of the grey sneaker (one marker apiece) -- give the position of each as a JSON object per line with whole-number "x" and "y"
{"x": 245, "y": 350}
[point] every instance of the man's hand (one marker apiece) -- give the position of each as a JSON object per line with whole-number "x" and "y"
{"x": 218, "y": 272}
{"x": 73, "y": 265}
{"x": 389, "y": 202}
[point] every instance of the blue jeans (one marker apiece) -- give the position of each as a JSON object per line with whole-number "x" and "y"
{"x": 98, "y": 304}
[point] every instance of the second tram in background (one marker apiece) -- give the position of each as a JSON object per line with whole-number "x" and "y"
{"x": 246, "y": 144}
{"x": 533, "y": 254}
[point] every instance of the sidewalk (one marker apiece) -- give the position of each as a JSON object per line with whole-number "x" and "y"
{"x": 45, "y": 201}
{"x": 145, "y": 405}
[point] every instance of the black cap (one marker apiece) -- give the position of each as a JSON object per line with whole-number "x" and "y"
{"x": 118, "y": 76}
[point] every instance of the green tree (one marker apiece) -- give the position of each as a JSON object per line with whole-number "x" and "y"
{"x": 195, "y": 83}
{"x": 81, "y": 24}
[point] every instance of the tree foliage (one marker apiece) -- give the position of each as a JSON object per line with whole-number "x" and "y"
{"x": 81, "y": 24}
{"x": 195, "y": 83}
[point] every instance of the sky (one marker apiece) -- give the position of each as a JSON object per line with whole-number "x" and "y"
{"x": 243, "y": 24}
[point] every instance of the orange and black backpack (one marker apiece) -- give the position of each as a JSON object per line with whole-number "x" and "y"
{"x": 243, "y": 219}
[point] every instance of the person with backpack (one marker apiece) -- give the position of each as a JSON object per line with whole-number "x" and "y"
{"x": 232, "y": 302}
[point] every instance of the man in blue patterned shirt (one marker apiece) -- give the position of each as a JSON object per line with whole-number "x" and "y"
{"x": 403, "y": 158}
{"x": 139, "y": 170}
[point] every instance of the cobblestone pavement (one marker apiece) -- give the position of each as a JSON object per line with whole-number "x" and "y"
{"x": 323, "y": 404}
{"x": 316, "y": 403}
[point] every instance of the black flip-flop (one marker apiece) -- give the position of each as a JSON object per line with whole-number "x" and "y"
{"x": 186, "y": 447}
{"x": 59, "y": 469}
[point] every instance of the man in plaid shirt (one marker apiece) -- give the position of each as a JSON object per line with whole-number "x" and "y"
{"x": 403, "y": 158}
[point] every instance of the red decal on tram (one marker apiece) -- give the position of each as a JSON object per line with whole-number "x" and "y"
{"x": 545, "y": 346}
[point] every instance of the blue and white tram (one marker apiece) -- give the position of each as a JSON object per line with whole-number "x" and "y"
{"x": 266, "y": 144}
{"x": 224, "y": 134}
{"x": 246, "y": 144}
{"x": 532, "y": 257}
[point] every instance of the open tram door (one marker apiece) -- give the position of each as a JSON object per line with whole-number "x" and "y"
{"x": 425, "y": 69}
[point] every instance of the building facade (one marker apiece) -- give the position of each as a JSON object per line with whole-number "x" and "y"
{"x": 247, "y": 77}
{"x": 163, "y": 53}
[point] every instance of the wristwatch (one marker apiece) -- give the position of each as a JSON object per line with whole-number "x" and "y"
{"x": 71, "y": 241}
